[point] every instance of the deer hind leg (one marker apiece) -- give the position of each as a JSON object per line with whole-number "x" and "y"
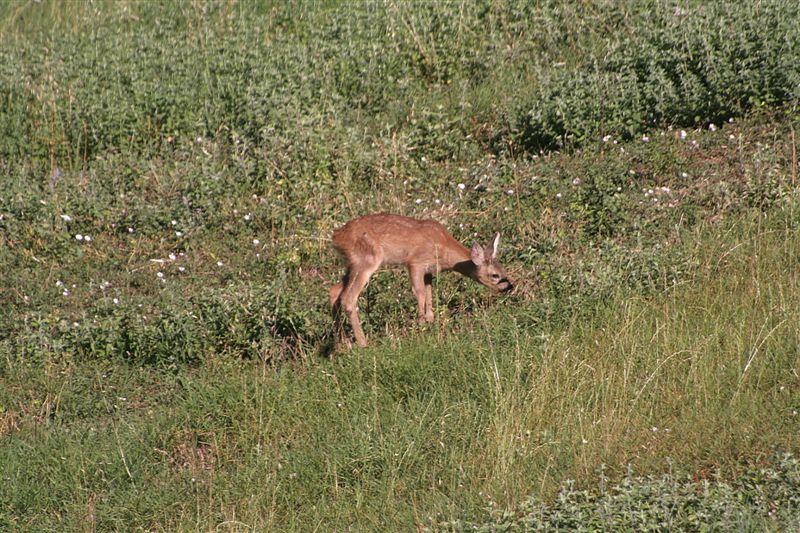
{"x": 334, "y": 295}
{"x": 349, "y": 300}
{"x": 368, "y": 261}
{"x": 336, "y": 291}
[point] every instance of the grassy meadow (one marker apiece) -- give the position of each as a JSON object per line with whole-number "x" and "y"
{"x": 171, "y": 174}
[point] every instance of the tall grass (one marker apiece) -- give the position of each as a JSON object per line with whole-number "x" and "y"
{"x": 699, "y": 379}
{"x": 171, "y": 174}
{"x": 442, "y": 79}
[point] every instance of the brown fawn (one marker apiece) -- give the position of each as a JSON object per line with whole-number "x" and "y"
{"x": 424, "y": 247}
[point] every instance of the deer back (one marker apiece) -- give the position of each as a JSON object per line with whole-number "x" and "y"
{"x": 398, "y": 240}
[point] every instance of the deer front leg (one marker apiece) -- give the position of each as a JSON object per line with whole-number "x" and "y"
{"x": 428, "y": 297}
{"x": 421, "y": 290}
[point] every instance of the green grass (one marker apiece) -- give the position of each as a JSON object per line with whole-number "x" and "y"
{"x": 172, "y": 372}
{"x": 700, "y": 379}
{"x": 762, "y": 498}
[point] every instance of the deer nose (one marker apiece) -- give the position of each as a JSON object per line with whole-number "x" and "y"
{"x": 508, "y": 285}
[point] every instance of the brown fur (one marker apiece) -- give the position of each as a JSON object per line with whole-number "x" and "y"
{"x": 424, "y": 247}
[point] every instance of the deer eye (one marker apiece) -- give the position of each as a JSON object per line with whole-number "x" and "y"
{"x": 495, "y": 276}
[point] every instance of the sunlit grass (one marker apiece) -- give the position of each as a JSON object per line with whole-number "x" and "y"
{"x": 171, "y": 173}
{"x": 698, "y": 379}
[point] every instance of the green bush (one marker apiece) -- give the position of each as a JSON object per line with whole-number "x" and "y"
{"x": 239, "y": 321}
{"x": 680, "y": 67}
{"x": 163, "y": 75}
{"x": 764, "y": 498}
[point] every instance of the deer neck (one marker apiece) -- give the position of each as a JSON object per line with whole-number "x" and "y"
{"x": 459, "y": 260}
{"x": 466, "y": 268}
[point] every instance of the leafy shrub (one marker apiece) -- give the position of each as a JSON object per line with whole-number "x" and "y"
{"x": 763, "y": 497}
{"x": 172, "y": 73}
{"x": 680, "y": 67}
{"x": 240, "y": 321}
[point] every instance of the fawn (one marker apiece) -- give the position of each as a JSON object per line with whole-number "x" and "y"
{"x": 424, "y": 247}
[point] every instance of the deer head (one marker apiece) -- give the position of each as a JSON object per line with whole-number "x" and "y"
{"x": 488, "y": 271}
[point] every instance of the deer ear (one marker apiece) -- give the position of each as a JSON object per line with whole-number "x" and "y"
{"x": 495, "y": 242}
{"x": 477, "y": 254}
